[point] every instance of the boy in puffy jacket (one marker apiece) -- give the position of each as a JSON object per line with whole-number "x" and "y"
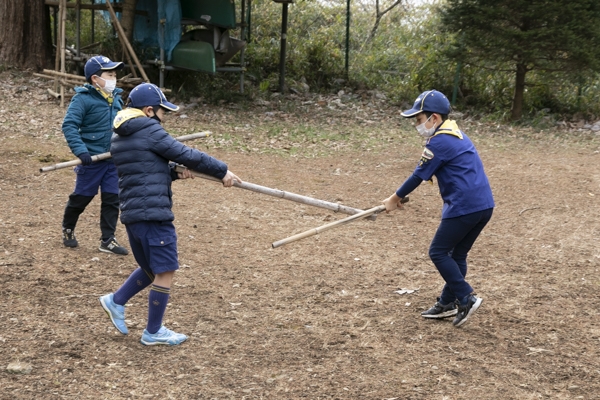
{"x": 88, "y": 128}
{"x": 142, "y": 151}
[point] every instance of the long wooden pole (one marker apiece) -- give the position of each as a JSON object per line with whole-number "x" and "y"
{"x": 320, "y": 229}
{"x": 372, "y": 212}
{"x": 64, "y": 74}
{"x": 126, "y": 42}
{"x": 107, "y": 155}
{"x": 63, "y": 18}
{"x": 58, "y": 30}
{"x": 281, "y": 194}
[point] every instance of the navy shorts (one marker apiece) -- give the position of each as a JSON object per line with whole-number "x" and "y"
{"x": 101, "y": 174}
{"x": 154, "y": 245}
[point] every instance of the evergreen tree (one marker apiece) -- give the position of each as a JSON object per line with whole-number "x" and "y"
{"x": 549, "y": 35}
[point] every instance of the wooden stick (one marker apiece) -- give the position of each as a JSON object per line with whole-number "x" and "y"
{"x": 63, "y": 18}
{"x": 63, "y": 74}
{"x": 372, "y": 212}
{"x": 127, "y": 44}
{"x": 320, "y": 229}
{"x": 107, "y": 155}
{"x": 281, "y": 194}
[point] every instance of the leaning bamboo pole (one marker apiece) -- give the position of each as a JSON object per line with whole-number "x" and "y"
{"x": 281, "y": 194}
{"x": 64, "y": 75}
{"x": 125, "y": 41}
{"x": 63, "y": 19}
{"x": 107, "y": 155}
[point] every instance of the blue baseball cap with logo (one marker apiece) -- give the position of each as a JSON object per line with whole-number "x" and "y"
{"x": 429, "y": 101}
{"x": 100, "y": 63}
{"x": 148, "y": 94}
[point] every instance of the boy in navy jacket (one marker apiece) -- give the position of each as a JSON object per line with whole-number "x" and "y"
{"x": 451, "y": 157}
{"x": 142, "y": 151}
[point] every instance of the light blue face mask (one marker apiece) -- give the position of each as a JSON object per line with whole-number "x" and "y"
{"x": 426, "y": 132}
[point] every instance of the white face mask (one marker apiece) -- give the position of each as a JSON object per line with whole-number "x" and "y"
{"x": 109, "y": 85}
{"x": 426, "y": 132}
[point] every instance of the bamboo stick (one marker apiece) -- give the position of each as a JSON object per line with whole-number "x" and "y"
{"x": 372, "y": 212}
{"x": 281, "y": 194}
{"x": 63, "y": 18}
{"x": 126, "y": 42}
{"x": 65, "y": 81}
{"x": 107, "y": 155}
{"x": 63, "y": 74}
{"x": 73, "y": 83}
{"x": 320, "y": 229}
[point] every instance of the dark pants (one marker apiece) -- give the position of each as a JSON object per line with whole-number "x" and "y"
{"x": 154, "y": 246}
{"x": 101, "y": 175}
{"x": 449, "y": 248}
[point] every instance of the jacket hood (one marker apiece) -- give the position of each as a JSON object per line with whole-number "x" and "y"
{"x": 131, "y": 120}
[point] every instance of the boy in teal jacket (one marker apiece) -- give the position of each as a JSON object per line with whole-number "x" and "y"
{"x": 88, "y": 128}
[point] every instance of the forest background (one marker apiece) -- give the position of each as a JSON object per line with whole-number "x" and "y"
{"x": 535, "y": 62}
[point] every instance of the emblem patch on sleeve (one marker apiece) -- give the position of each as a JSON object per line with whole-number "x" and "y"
{"x": 426, "y": 156}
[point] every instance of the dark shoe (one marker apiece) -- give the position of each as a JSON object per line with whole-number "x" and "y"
{"x": 69, "y": 238}
{"x": 112, "y": 246}
{"x": 440, "y": 311}
{"x": 464, "y": 312}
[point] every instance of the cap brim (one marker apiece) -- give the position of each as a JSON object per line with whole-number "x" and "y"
{"x": 169, "y": 106}
{"x": 112, "y": 65}
{"x": 410, "y": 113}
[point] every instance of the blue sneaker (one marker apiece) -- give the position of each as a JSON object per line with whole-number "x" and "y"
{"x": 115, "y": 312}
{"x": 163, "y": 336}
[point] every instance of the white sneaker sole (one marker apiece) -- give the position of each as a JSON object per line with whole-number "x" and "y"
{"x": 471, "y": 311}
{"x": 161, "y": 343}
{"x": 107, "y": 310}
{"x": 446, "y": 314}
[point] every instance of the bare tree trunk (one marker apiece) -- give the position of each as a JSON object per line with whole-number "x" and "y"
{"x": 25, "y": 34}
{"x": 517, "y": 106}
{"x": 128, "y": 18}
{"x": 379, "y": 15}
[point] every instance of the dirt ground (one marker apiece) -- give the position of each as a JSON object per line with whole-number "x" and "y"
{"x": 319, "y": 318}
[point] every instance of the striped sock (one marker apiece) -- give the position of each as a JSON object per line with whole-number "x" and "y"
{"x": 137, "y": 281}
{"x": 157, "y": 304}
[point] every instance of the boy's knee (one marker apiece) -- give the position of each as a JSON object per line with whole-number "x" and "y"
{"x": 436, "y": 254}
{"x": 110, "y": 198}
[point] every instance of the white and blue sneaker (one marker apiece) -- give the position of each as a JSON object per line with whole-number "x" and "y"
{"x": 115, "y": 312}
{"x": 163, "y": 336}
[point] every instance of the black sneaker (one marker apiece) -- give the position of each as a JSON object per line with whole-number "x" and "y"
{"x": 69, "y": 238}
{"x": 464, "y": 312}
{"x": 440, "y": 311}
{"x": 112, "y": 246}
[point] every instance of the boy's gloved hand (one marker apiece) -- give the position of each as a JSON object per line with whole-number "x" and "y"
{"x": 85, "y": 158}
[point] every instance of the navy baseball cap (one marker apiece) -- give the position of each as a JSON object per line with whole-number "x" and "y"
{"x": 430, "y": 101}
{"x": 100, "y": 63}
{"x": 148, "y": 94}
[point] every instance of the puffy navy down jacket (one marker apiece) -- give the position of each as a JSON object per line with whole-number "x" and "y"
{"x": 142, "y": 150}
